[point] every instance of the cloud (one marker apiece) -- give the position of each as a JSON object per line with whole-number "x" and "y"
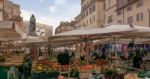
{"x": 53, "y": 9}
{"x": 26, "y": 14}
{"x": 60, "y": 2}
{"x": 41, "y": 0}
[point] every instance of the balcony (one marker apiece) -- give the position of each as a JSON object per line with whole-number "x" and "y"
{"x": 124, "y": 3}
{"x": 15, "y": 18}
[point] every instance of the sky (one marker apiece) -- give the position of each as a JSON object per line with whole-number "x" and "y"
{"x": 49, "y": 12}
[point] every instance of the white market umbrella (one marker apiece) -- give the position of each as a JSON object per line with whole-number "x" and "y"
{"x": 83, "y": 35}
{"x": 89, "y": 34}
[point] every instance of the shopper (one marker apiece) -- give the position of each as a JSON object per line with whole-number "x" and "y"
{"x": 137, "y": 61}
{"x": 103, "y": 56}
{"x": 12, "y": 73}
{"x": 21, "y": 71}
{"x": 27, "y": 67}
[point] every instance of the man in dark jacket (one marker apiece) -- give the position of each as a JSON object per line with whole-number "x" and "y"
{"x": 21, "y": 71}
{"x": 137, "y": 61}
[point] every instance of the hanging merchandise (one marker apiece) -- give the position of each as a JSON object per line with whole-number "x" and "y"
{"x": 106, "y": 49}
{"x": 112, "y": 48}
{"x": 118, "y": 47}
{"x": 27, "y": 51}
{"x": 125, "y": 50}
{"x": 124, "y": 47}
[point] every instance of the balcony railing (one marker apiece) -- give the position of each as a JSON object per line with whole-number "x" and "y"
{"x": 124, "y": 3}
{"x": 16, "y": 18}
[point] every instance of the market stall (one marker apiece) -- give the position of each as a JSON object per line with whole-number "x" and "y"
{"x": 115, "y": 32}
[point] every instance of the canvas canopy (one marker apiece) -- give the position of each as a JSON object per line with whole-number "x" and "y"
{"x": 113, "y": 30}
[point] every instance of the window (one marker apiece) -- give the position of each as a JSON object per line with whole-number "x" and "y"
{"x": 90, "y": 20}
{"x": 139, "y": 4}
{"x": 119, "y": 13}
{"x": 129, "y": 8}
{"x": 87, "y": 13}
{"x": 130, "y": 19}
{"x": 109, "y": 3}
{"x": 110, "y": 19}
{"x": 104, "y": 6}
{"x": 90, "y": 10}
{"x": 139, "y": 17}
{"x": 93, "y": 18}
{"x": 87, "y": 22}
{"x": 120, "y": 21}
{"x": 83, "y": 16}
{"x": 93, "y": 8}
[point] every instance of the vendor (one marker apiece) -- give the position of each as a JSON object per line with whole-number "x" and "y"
{"x": 137, "y": 60}
{"x": 103, "y": 56}
{"x": 113, "y": 57}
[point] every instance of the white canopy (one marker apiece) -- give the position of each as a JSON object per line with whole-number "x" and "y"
{"x": 123, "y": 31}
{"x": 93, "y": 31}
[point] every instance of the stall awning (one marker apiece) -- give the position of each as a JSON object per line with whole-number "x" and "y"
{"x": 109, "y": 31}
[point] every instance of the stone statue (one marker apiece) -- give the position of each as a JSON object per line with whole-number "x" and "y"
{"x": 32, "y": 27}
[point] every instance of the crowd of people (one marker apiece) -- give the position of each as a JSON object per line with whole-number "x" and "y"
{"x": 137, "y": 53}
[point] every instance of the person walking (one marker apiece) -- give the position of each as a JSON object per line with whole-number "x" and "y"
{"x": 27, "y": 67}
{"x": 12, "y": 73}
{"x": 21, "y": 71}
{"x": 137, "y": 61}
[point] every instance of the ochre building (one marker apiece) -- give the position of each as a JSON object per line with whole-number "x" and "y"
{"x": 136, "y": 12}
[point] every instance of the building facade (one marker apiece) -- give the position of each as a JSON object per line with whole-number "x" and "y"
{"x": 46, "y": 29}
{"x": 136, "y": 12}
{"x": 10, "y": 11}
{"x": 92, "y": 13}
{"x": 42, "y": 30}
{"x": 65, "y": 26}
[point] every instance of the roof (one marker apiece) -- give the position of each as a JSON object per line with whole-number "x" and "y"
{"x": 6, "y": 24}
{"x": 7, "y": 31}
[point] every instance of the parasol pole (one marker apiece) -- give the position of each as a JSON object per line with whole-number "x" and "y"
{"x": 86, "y": 49}
{"x": 115, "y": 51}
{"x": 80, "y": 51}
{"x": 133, "y": 40}
{"x": 69, "y": 63}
